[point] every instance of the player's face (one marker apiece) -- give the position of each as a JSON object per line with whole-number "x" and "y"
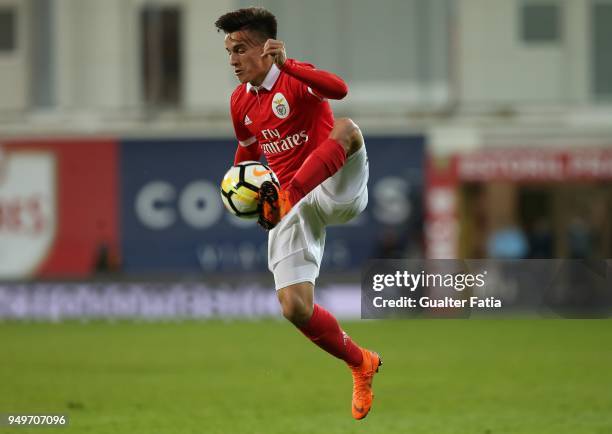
{"x": 245, "y": 51}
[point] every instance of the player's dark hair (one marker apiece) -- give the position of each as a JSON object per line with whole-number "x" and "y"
{"x": 255, "y": 19}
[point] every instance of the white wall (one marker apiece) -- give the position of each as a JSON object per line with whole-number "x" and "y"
{"x": 496, "y": 65}
{"x": 208, "y": 78}
{"x": 392, "y": 53}
{"x": 14, "y": 66}
{"x": 96, "y": 49}
{"x": 90, "y": 44}
{"x": 98, "y": 54}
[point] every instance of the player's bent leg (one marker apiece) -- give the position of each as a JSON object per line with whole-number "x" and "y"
{"x": 324, "y": 162}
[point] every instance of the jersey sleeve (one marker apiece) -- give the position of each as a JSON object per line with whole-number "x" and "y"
{"x": 248, "y": 148}
{"x": 320, "y": 84}
{"x": 244, "y": 136}
{"x": 247, "y": 153}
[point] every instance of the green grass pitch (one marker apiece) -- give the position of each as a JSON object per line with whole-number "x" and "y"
{"x": 439, "y": 376}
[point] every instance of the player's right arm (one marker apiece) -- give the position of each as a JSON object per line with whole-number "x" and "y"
{"x": 248, "y": 147}
{"x": 323, "y": 83}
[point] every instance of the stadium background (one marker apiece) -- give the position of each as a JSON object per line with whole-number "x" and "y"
{"x": 489, "y": 132}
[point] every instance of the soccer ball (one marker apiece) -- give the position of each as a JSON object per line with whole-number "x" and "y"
{"x": 240, "y": 186}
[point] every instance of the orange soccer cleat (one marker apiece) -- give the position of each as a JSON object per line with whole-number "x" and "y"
{"x": 274, "y": 204}
{"x": 362, "y": 383}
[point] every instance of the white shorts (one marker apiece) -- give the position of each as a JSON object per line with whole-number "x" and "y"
{"x": 295, "y": 245}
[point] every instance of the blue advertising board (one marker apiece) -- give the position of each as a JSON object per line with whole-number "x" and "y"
{"x": 173, "y": 220}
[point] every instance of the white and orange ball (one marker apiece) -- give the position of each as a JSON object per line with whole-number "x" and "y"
{"x": 240, "y": 186}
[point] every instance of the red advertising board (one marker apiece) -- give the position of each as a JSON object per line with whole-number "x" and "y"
{"x": 535, "y": 165}
{"x": 58, "y": 205}
{"x": 441, "y": 219}
{"x": 517, "y": 165}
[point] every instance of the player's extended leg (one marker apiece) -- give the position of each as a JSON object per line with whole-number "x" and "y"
{"x": 344, "y": 140}
{"x": 322, "y": 328}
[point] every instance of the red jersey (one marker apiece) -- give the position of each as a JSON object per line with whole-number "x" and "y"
{"x": 283, "y": 117}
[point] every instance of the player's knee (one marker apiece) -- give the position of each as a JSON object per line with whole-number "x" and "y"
{"x": 296, "y": 308}
{"x": 348, "y": 134}
{"x": 296, "y": 311}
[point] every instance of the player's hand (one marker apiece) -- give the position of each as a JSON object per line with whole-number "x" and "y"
{"x": 276, "y": 49}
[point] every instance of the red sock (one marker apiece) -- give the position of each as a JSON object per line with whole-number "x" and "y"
{"x": 322, "y": 163}
{"x": 324, "y": 331}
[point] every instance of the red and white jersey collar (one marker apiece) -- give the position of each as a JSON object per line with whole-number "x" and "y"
{"x": 268, "y": 82}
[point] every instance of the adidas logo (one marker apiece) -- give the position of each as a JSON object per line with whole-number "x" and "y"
{"x": 247, "y": 120}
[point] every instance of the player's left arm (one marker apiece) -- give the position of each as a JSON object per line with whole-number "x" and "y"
{"x": 323, "y": 83}
{"x": 248, "y": 148}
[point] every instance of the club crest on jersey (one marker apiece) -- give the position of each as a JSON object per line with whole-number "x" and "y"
{"x": 280, "y": 106}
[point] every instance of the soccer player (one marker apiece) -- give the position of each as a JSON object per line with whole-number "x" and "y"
{"x": 280, "y": 109}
